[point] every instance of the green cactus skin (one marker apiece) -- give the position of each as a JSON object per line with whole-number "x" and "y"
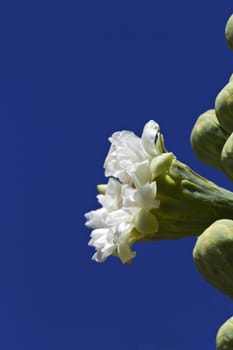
{"x": 229, "y": 32}
{"x": 224, "y": 107}
{"x": 207, "y": 139}
{"x": 213, "y": 255}
{"x": 224, "y": 339}
{"x": 227, "y": 157}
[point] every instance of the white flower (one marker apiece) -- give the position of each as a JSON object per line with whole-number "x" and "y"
{"x": 114, "y": 224}
{"x": 129, "y": 156}
{"x": 128, "y": 198}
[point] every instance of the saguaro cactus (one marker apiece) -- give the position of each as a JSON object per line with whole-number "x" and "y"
{"x": 212, "y": 141}
{"x": 150, "y": 196}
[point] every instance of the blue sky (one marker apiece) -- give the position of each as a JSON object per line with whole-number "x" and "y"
{"x": 72, "y": 73}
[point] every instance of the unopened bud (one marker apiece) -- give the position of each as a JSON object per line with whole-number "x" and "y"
{"x": 213, "y": 255}
{"x": 224, "y": 339}
{"x": 208, "y": 138}
{"x": 224, "y": 107}
{"x": 229, "y": 32}
{"x": 227, "y": 157}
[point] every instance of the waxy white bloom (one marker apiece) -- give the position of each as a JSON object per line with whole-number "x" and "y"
{"x": 130, "y": 156}
{"x": 128, "y": 198}
{"x": 114, "y": 224}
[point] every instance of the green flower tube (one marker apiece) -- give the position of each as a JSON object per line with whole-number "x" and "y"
{"x": 189, "y": 203}
{"x": 224, "y": 107}
{"x": 207, "y": 139}
{"x": 229, "y": 32}
{"x": 227, "y": 157}
{"x": 224, "y": 339}
{"x": 213, "y": 255}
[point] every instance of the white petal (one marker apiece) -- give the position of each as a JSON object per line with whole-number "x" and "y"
{"x": 139, "y": 173}
{"x": 148, "y": 137}
{"x": 135, "y": 148}
{"x": 125, "y": 141}
{"x": 99, "y": 237}
{"x": 141, "y": 197}
{"x": 103, "y": 241}
{"x": 100, "y": 256}
{"x": 95, "y": 218}
{"x": 128, "y": 196}
{"x": 124, "y": 251}
{"x": 116, "y": 217}
{"x": 145, "y": 196}
{"x": 112, "y": 198}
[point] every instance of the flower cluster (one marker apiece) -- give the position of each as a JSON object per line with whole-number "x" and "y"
{"x": 132, "y": 165}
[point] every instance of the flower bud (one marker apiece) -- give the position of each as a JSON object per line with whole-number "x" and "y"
{"x": 224, "y": 339}
{"x": 208, "y": 138}
{"x": 213, "y": 255}
{"x": 231, "y": 78}
{"x": 227, "y": 157}
{"x": 224, "y": 107}
{"x": 229, "y": 32}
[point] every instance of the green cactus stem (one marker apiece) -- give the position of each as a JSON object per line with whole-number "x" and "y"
{"x": 227, "y": 157}
{"x": 213, "y": 255}
{"x": 224, "y": 339}
{"x": 224, "y": 107}
{"x": 229, "y": 32}
{"x": 207, "y": 139}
